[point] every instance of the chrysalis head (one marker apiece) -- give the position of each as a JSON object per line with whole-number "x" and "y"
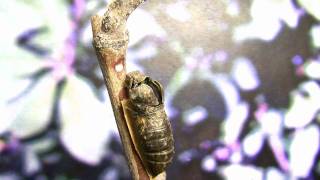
{"x": 142, "y": 90}
{"x": 134, "y": 78}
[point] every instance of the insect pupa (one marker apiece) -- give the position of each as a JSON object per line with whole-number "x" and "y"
{"x": 148, "y": 123}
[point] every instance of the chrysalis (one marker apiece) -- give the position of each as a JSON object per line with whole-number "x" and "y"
{"x": 148, "y": 123}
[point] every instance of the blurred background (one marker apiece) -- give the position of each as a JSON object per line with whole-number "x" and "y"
{"x": 241, "y": 83}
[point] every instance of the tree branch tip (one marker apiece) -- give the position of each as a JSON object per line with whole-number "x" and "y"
{"x": 95, "y": 24}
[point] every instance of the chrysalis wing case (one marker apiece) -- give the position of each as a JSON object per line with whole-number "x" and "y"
{"x": 148, "y": 123}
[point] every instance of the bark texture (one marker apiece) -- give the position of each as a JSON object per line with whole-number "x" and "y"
{"x": 110, "y": 40}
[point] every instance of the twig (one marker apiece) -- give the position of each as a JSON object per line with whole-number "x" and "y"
{"x": 110, "y": 39}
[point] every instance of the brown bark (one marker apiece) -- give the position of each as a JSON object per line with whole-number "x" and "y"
{"x": 110, "y": 39}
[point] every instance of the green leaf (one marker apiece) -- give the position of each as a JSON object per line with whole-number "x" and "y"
{"x": 13, "y": 76}
{"x": 306, "y": 141}
{"x": 19, "y": 16}
{"x": 266, "y": 25}
{"x": 16, "y": 17}
{"x": 31, "y": 113}
{"x": 253, "y": 142}
{"x": 86, "y": 122}
{"x": 315, "y": 36}
{"x": 42, "y": 145}
{"x": 31, "y": 163}
{"x": 312, "y": 7}
{"x": 57, "y": 20}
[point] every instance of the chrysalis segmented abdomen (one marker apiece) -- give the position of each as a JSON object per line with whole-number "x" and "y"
{"x": 156, "y": 141}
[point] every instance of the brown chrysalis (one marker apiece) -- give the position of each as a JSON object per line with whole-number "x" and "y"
{"x": 148, "y": 123}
